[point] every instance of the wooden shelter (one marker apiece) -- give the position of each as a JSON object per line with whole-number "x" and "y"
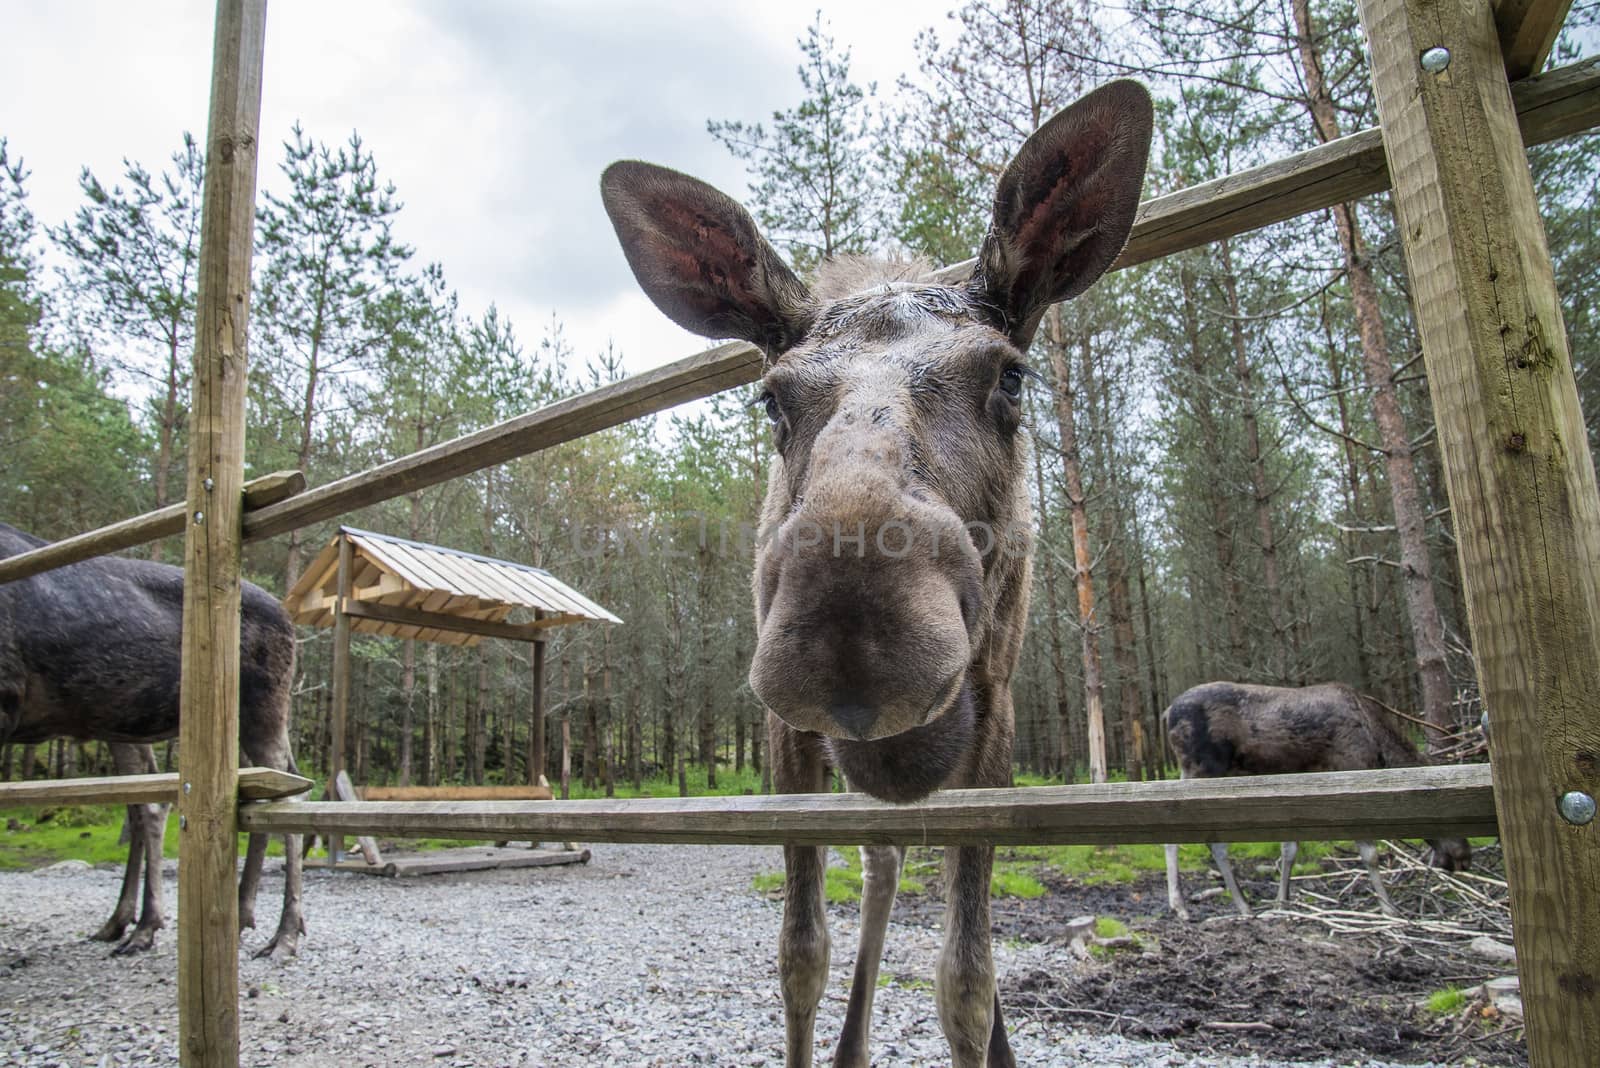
{"x": 381, "y": 584}
{"x": 1459, "y": 96}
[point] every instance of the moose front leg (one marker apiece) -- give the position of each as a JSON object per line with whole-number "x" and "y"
{"x": 1369, "y": 856}
{"x": 802, "y": 949}
{"x": 1287, "y": 851}
{"x": 969, "y": 1000}
{"x": 880, "y": 878}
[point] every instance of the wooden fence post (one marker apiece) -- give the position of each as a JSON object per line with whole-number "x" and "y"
{"x": 208, "y": 754}
{"x": 1520, "y": 476}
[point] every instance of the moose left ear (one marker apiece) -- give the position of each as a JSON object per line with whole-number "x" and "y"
{"x": 1064, "y": 207}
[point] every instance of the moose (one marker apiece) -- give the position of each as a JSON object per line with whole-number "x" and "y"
{"x": 92, "y": 651}
{"x": 1230, "y": 728}
{"x": 892, "y": 571}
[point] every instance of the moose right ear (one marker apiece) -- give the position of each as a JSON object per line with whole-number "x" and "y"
{"x": 697, "y": 255}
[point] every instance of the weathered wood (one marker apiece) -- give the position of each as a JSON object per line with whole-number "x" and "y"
{"x": 255, "y": 784}
{"x": 536, "y": 717}
{"x": 1521, "y": 480}
{"x": 340, "y": 712}
{"x": 458, "y": 793}
{"x": 1411, "y": 802}
{"x": 1527, "y": 30}
{"x": 345, "y": 790}
{"x": 467, "y": 858}
{"x": 208, "y": 716}
{"x": 517, "y": 632}
{"x": 258, "y": 493}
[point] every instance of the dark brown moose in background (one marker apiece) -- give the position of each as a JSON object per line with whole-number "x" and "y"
{"x": 1230, "y": 728}
{"x": 93, "y": 651}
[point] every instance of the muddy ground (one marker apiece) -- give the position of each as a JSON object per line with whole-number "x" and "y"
{"x": 1272, "y": 986}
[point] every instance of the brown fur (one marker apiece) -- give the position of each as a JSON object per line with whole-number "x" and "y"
{"x": 92, "y": 651}
{"x": 891, "y": 579}
{"x": 1229, "y": 728}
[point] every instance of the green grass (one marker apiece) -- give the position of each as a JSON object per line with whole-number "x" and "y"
{"x": 1446, "y": 1002}
{"x": 1109, "y": 927}
{"x": 1011, "y": 880}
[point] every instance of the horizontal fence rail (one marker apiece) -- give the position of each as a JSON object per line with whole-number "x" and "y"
{"x": 1397, "y": 803}
{"x": 255, "y": 784}
{"x": 1556, "y": 104}
{"x": 140, "y": 530}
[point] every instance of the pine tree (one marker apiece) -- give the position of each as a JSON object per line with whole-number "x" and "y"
{"x": 815, "y": 191}
{"x": 134, "y": 258}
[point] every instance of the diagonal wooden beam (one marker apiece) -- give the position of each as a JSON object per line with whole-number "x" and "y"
{"x": 162, "y": 523}
{"x": 1527, "y": 31}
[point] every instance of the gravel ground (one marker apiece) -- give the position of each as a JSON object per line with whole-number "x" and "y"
{"x": 647, "y": 955}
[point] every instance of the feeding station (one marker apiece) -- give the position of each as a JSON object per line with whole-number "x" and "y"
{"x": 381, "y": 584}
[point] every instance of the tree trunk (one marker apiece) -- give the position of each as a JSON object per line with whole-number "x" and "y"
{"x": 1427, "y": 630}
{"x": 1065, "y": 759}
{"x": 1261, "y": 489}
{"x": 1221, "y": 522}
{"x": 1072, "y": 469}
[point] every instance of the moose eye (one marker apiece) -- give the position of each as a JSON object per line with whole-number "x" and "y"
{"x": 774, "y": 413}
{"x": 1011, "y": 382}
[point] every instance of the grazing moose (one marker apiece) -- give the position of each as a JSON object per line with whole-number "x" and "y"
{"x": 891, "y": 576}
{"x": 1228, "y": 728}
{"x": 92, "y": 651}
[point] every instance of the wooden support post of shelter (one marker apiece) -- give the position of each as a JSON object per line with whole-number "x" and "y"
{"x": 536, "y": 724}
{"x": 1518, "y": 469}
{"x": 208, "y": 754}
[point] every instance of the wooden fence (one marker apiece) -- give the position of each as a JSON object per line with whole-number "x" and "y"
{"x": 1521, "y": 482}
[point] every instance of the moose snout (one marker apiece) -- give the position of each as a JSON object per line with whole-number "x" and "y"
{"x": 867, "y": 603}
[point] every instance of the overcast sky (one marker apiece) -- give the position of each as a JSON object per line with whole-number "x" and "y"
{"x": 492, "y": 119}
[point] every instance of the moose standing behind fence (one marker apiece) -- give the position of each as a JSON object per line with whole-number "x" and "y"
{"x": 1228, "y": 728}
{"x": 891, "y": 586}
{"x": 92, "y": 651}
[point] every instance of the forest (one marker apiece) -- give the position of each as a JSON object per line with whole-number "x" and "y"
{"x": 1234, "y": 469}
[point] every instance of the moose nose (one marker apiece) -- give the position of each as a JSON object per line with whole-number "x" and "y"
{"x": 854, "y": 717}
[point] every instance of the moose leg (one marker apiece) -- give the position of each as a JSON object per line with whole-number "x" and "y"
{"x": 292, "y": 920}
{"x": 965, "y": 986}
{"x": 880, "y": 878}
{"x": 273, "y": 752}
{"x": 153, "y": 830}
{"x": 123, "y": 914}
{"x": 1369, "y": 856}
{"x": 803, "y": 949}
{"x": 799, "y": 766}
{"x": 1174, "y": 892}
{"x": 146, "y": 825}
{"x": 1287, "y": 851}
{"x": 1219, "y": 853}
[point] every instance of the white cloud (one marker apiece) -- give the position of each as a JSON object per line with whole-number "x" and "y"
{"x": 493, "y": 119}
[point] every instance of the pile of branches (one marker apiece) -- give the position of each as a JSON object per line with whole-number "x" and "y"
{"x": 1436, "y": 908}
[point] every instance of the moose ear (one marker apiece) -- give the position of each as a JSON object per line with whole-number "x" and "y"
{"x": 1064, "y": 207}
{"x": 697, "y": 255}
